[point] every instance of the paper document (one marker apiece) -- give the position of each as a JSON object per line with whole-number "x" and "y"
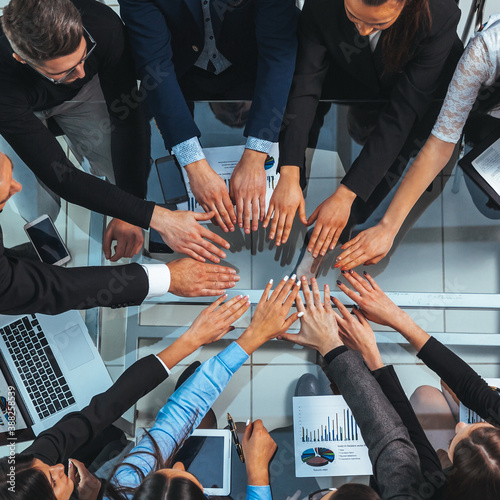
{"x": 471, "y": 417}
{"x": 327, "y": 439}
{"x": 487, "y": 165}
{"x": 223, "y": 160}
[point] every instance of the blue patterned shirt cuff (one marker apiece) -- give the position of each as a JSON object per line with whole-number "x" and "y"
{"x": 259, "y": 144}
{"x": 188, "y": 151}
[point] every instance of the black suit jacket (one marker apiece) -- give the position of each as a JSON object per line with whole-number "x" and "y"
{"x": 77, "y": 429}
{"x": 28, "y": 287}
{"x": 257, "y": 36}
{"x": 328, "y": 41}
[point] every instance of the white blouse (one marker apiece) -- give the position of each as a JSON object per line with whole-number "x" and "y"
{"x": 477, "y": 70}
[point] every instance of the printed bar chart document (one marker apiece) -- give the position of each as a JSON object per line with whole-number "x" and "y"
{"x": 327, "y": 439}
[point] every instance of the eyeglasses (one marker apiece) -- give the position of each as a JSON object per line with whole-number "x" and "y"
{"x": 70, "y": 71}
{"x": 318, "y": 495}
{"x": 232, "y": 428}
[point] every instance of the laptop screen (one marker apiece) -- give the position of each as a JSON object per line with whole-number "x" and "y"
{"x": 13, "y": 413}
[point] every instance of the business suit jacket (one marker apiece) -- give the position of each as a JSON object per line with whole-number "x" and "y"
{"x": 396, "y": 465}
{"x": 328, "y": 41}
{"x": 28, "y": 287}
{"x": 77, "y": 429}
{"x": 257, "y": 36}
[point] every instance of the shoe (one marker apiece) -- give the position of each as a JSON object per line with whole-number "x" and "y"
{"x": 187, "y": 373}
{"x": 307, "y": 385}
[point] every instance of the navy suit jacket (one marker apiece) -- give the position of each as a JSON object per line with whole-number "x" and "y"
{"x": 256, "y": 36}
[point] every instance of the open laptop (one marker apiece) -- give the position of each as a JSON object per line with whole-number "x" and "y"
{"x": 49, "y": 367}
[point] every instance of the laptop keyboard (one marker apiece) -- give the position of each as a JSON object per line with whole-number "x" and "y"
{"x": 37, "y": 366}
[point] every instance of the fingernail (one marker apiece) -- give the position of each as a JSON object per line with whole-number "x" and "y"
{"x": 339, "y": 282}
{"x": 236, "y": 278}
{"x": 355, "y": 306}
{"x": 225, "y": 294}
{"x": 70, "y": 464}
{"x": 331, "y": 298}
{"x": 343, "y": 272}
{"x": 338, "y": 258}
{"x": 304, "y": 278}
{"x": 231, "y": 229}
{"x": 247, "y": 297}
{"x": 351, "y": 271}
{"x": 300, "y": 315}
{"x": 271, "y": 281}
{"x": 293, "y": 277}
{"x": 248, "y": 422}
{"x": 239, "y": 296}
{"x": 285, "y": 278}
{"x": 365, "y": 273}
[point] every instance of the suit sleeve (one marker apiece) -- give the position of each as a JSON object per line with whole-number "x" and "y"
{"x": 29, "y": 287}
{"x": 130, "y": 138}
{"x": 276, "y": 32}
{"x": 56, "y": 444}
{"x": 390, "y": 385}
{"x": 395, "y": 461}
{"x": 409, "y": 100}
{"x": 468, "y": 386}
{"x": 311, "y": 68}
{"x": 41, "y": 152}
{"x": 151, "y": 42}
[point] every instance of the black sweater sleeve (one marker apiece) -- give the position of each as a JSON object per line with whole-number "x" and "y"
{"x": 55, "y": 445}
{"x": 468, "y": 386}
{"x": 430, "y": 465}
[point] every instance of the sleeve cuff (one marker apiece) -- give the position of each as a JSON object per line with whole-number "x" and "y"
{"x": 164, "y": 365}
{"x": 233, "y": 356}
{"x": 158, "y": 279}
{"x": 258, "y": 492}
{"x": 259, "y": 144}
{"x": 330, "y": 356}
{"x": 188, "y": 151}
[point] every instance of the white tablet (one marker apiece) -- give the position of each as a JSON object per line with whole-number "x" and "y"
{"x": 212, "y": 463}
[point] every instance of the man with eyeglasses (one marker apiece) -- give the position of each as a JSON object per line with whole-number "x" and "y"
{"x": 66, "y": 68}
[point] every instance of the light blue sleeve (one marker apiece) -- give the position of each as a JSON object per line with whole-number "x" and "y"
{"x": 259, "y": 493}
{"x": 258, "y": 144}
{"x": 183, "y": 412}
{"x": 188, "y": 151}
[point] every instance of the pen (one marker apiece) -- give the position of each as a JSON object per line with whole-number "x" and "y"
{"x": 232, "y": 428}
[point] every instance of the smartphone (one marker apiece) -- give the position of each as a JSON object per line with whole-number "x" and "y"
{"x": 47, "y": 242}
{"x": 171, "y": 180}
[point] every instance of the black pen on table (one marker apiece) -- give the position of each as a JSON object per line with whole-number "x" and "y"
{"x": 232, "y": 428}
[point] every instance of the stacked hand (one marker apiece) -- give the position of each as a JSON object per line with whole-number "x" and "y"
{"x": 247, "y": 189}
{"x": 368, "y": 247}
{"x": 318, "y": 326}
{"x": 216, "y": 320}
{"x": 181, "y": 231}
{"x": 331, "y": 218}
{"x": 211, "y": 193}
{"x": 373, "y": 302}
{"x": 210, "y": 325}
{"x": 358, "y": 335}
{"x": 270, "y": 318}
{"x": 190, "y": 278}
{"x": 287, "y": 198}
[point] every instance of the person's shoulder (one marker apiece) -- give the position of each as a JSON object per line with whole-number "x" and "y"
{"x": 442, "y": 11}
{"x": 93, "y": 11}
